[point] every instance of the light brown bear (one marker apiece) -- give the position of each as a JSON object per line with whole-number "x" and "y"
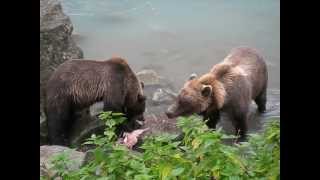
{"x": 229, "y": 87}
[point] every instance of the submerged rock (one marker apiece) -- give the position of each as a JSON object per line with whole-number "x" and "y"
{"x": 56, "y": 45}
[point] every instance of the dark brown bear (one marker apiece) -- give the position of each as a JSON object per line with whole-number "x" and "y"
{"x": 77, "y": 84}
{"x": 229, "y": 87}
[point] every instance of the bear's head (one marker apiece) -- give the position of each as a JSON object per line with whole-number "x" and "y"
{"x": 136, "y": 111}
{"x": 196, "y": 97}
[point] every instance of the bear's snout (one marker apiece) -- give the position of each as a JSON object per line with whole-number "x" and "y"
{"x": 172, "y": 111}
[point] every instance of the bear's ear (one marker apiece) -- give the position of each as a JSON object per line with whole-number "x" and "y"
{"x": 193, "y": 76}
{"x": 141, "y": 98}
{"x": 142, "y": 84}
{"x": 206, "y": 90}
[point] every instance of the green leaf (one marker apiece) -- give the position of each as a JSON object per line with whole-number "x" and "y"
{"x": 99, "y": 154}
{"x": 142, "y": 177}
{"x": 117, "y": 114}
{"x": 165, "y": 170}
{"x": 196, "y": 143}
{"x": 88, "y": 143}
{"x": 234, "y": 178}
{"x": 110, "y": 123}
{"x": 177, "y": 171}
{"x": 84, "y": 177}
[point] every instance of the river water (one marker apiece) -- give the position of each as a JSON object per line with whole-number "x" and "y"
{"x": 177, "y": 38}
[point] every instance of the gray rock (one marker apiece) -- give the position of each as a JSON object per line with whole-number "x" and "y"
{"x": 48, "y": 152}
{"x": 56, "y": 43}
{"x": 149, "y": 77}
{"x": 159, "y": 91}
{"x": 163, "y": 96}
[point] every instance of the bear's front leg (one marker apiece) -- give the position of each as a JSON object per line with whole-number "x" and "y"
{"x": 214, "y": 118}
{"x": 57, "y": 127}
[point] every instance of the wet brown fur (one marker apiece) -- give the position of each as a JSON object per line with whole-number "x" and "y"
{"x": 77, "y": 84}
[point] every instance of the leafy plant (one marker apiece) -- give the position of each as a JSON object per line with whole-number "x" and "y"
{"x": 201, "y": 154}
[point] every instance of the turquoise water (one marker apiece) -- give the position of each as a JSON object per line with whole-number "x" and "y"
{"x": 175, "y": 37}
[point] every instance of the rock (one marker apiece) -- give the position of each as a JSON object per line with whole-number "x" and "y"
{"x": 56, "y": 43}
{"x": 163, "y": 96}
{"x": 160, "y": 94}
{"x": 153, "y": 83}
{"x": 148, "y": 77}
{"x": 47, "y": 152}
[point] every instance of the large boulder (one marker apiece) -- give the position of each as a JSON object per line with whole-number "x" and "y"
{"x": 56, "y": 45}
{"x": 75, "y": 158}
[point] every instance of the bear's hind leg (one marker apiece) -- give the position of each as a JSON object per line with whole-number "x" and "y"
{"x": 240, "y": 123}
{"x": 261, "y": 101}
{"x": 57, "y": 126}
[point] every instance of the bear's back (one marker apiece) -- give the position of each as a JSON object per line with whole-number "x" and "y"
{"x": 75, "y": 65}
{"x": 87, "y": 78}
{"x": 242, "y": 65}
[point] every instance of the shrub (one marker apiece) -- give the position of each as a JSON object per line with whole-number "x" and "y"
{"x": 202, "y": 154}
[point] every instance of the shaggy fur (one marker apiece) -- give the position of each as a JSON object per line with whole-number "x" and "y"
{"x": 228, "y": 87}
{"x": 77, "y": 84}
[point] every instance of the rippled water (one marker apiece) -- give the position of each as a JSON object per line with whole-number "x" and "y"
{"x": 177, "y": 38}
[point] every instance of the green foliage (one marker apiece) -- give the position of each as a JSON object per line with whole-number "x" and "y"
{"x": 111, "y": 121}
{"x": 200, "y": 155}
